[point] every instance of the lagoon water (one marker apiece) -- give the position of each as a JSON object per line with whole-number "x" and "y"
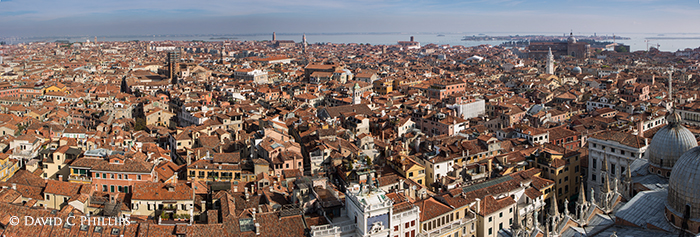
{"x": 637, "y": 41}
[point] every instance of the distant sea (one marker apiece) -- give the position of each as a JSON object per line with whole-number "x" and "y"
{"x": 637, "y": 41}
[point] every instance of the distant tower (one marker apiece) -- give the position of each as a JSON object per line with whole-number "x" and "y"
{"x": 550, "y": 62}
{"x": 95, "y": 39}
{"x": 411, "y": 38}
{"x": 356, "y": 94}
{"x": 173, "y": 59}
{"x": 303, "y": 41}
{"x": 274, "y": 36}
{"x": 670, "y": 85}
{"x": 221, "y": 52}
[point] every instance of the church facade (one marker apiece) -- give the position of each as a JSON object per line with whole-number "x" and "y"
{"x": 540, "y": 50}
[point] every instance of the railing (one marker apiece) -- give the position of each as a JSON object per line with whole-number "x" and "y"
{"x": 325, "y": 230}
{"x": 82, "y": 178}
{"x": 529, "y": 208}
{"x": 456, "y": 225}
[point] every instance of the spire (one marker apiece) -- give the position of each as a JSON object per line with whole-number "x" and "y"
{"x": 582, "y": 195}
{"x": 674, "y": 119}
{"x": 554, "y": 209}
{"x": 628, "y": 173}
{"x": 605, "y": 163}
{"x": 606, "y": 185}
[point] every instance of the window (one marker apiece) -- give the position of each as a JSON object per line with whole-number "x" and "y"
{"x": 111, "y": 176}
{"x": 511, "y": 210}
{"x": 104, "y": 188}
{"x": 593, "y": 178}
{"x": 612, "y": 168}
{"x": 490, "y": 231}
{"x": 396, "y": 228}
{"x": 111, "y": 188}
{"x": 138, "y": 177}
{"x": 410, "y": 174}
{"x": 500, "y": 214}
{"x": 566, "y": 189}
{"x": 104, "y": 175}
{"x": 120, "y": 176}
{"x": 406, "y": 225}
{"x": 500, "y": 226}
{"x": 126, "y": 176}
{"x": 566, "y": 178}
{"x": 490, "y": 219}
{"x": 594, "y": 163}
{"x": 48, "y": 197}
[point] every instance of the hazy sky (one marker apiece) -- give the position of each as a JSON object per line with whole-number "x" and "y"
{"x": 123, "y": 17}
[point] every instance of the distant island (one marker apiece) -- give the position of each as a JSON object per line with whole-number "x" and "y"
{"x": 482, "y": 37}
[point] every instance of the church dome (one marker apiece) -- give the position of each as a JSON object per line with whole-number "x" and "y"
{"x": 576, "y": 70}
{"x": 571, "y": 38}
{"x": 668, "y": 144}
{"x": 683, "y": 188}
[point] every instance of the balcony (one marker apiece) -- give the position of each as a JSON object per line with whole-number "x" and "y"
{"x": 80, "y": 178}
{"x": 169, "y": 207}
{"x": 325, "y": 230}
{"x": 529, "y": 208}
{"x": 455, "y": 225}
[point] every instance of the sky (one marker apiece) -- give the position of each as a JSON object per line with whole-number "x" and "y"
{"x": 31, "y": 18}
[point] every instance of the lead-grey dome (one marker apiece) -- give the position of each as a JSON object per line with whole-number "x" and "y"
{"x": 670, "y": 142}
{"x": 571, "y": 38}
{"x": 576, "y": 70}
{"x": 683, "y": 188}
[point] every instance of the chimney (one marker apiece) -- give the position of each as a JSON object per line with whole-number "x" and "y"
{"x": 640, "y": 128}
{"x": 257, "y": 228}
{"x": 247, "y": 196}
{"x": 478, "y": 205}
{"x": 490, "y": 165}
{"x": 204, "y": 206}
{"x": 60, "y": 177}
{"x": 14, "y": 186}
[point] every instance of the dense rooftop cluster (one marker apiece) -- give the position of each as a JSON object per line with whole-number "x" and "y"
{"x": 277, "y": 138}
